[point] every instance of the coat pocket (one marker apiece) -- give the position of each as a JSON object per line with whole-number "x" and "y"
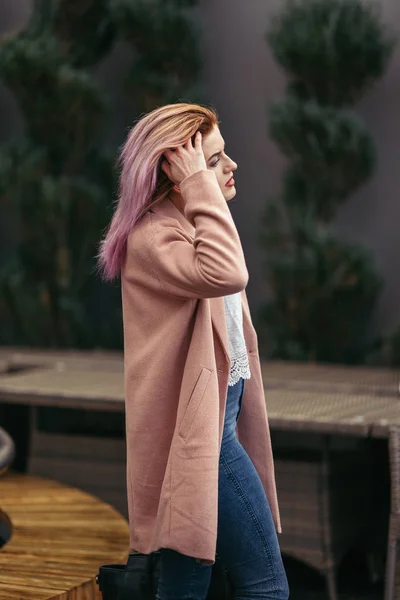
{"x": 194, "y": 402}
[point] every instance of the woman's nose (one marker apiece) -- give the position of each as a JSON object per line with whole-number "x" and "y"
{"x": 231, "y": 166}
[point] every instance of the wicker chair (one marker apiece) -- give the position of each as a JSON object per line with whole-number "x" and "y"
{"x": 320, "y": 495}
{"x": 392, "y": 587}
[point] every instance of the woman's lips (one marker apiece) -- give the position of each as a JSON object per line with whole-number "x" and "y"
{"x": 230, "y": 183}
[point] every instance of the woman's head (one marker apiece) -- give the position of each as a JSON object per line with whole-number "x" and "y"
{"x": 142, "y": 181}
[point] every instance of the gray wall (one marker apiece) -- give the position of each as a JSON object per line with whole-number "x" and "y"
{"x": 241, "y": 77}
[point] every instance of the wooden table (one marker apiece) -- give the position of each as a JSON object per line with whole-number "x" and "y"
{"x": 60, "y": 537}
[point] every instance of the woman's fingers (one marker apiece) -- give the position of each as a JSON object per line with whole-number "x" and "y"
{"x": 184, "y": 160}
{"x": 168, "y": 154}
{"x": 166, "y": 167}
{"x": 197, "y": 141}
{"x": 188, "y": 144}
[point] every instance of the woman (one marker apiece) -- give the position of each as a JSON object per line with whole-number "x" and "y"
{"x": 193, "y": 488}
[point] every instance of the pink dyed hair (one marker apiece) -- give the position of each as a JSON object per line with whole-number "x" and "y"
{"x": 142, "y": 181}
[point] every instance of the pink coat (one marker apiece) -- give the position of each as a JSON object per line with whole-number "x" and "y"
{"x": 176, "y": 371}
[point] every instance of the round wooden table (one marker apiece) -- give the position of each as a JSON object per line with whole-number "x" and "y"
{"x": 59, "y": 537}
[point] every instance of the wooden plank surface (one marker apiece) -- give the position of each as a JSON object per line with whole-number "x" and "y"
{"x": 60, "y": 536}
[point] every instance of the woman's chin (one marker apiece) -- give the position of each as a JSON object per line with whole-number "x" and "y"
{"x": 230, "y": 194}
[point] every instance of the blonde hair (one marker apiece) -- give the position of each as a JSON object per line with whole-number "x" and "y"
{"x": 142, "y": 181}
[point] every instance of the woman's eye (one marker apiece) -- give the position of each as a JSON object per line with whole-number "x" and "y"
{"x": 214, "y": 164}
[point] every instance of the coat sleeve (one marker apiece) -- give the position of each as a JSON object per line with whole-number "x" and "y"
{"x": 211, "y": 265}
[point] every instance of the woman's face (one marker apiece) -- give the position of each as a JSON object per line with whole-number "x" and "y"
{"x": 219, "y": 162}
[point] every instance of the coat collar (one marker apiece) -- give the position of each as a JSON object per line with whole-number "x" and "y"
{"x": 217, "y": 306}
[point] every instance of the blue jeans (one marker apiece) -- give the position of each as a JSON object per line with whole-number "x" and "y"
{"x": 247, "y": 543}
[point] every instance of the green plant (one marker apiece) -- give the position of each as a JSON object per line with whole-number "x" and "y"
{"x": 323, "y": 289}
{"x": 57, "y": 182}
{"x": 164, "y": 39}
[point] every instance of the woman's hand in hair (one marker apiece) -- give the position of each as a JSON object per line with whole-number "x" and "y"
{"x": 184, "y": 160}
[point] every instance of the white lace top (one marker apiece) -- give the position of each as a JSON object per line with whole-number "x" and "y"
{"x": 237, "y": 346}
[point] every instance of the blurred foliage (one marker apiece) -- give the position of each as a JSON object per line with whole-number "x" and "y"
{"x": 331, "y": 153}
{"x": 58, "y": 182}
{"x": 323, "y": 290}
{"x": 331, "y": 51}
{"x": 165, "y": 41}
